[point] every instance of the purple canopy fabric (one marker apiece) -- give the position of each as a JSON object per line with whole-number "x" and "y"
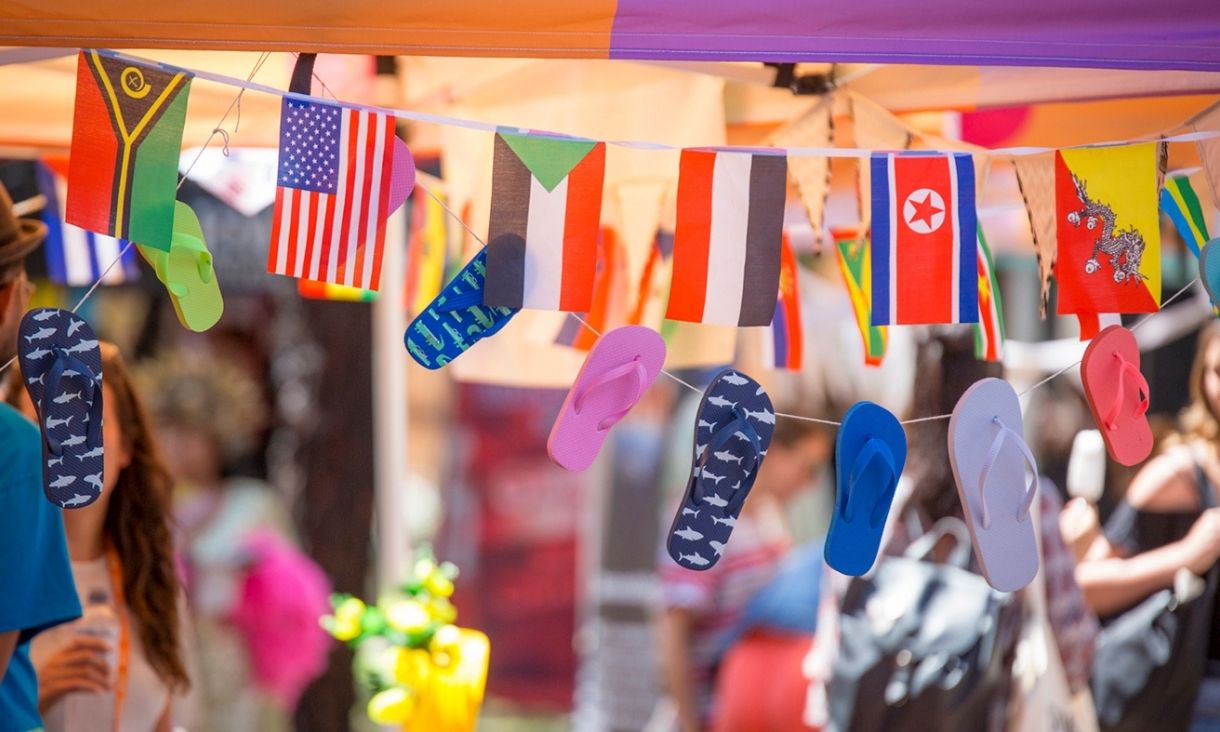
{"x": 1127, "y": 34}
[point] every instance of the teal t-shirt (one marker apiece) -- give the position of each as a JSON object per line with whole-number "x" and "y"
{"x": 36, "y": 587}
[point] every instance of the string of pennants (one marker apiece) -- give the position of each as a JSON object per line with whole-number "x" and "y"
{"x": 924, "y": 259}
{"x": 921, "y": 256}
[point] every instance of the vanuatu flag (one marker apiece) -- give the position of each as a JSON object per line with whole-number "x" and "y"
{"x": 126, "y": 139}
{"x": 1108, "y": 229}
{"x": 855, "y": 263}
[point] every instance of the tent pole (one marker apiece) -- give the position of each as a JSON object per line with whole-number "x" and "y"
{"x": 390, "y": 438}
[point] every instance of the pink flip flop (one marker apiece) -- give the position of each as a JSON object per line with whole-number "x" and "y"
{"x": 617, "y": 372}
{"x": 1118, "y": 394}
{"x": 988, "y": 454}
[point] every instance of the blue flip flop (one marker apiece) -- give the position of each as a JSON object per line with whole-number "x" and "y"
{"x": 61, "y": 364}
{"x": 870, "y": 451}
{"x": 1209, "y": 269}
{"x": 733, "y": 429}
{"x": 456, "y": 319}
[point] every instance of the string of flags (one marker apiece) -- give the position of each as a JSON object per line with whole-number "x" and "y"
{"x": 923, "y": 260}
{"x": 342, "y": 171}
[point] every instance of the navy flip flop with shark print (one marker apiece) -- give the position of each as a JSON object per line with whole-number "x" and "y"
{"x": 61, "y": 365}
{"x": 733, "y": 429}
{"x": 456, "y": 319}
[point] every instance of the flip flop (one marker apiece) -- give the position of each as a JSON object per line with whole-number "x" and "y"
{"x": 870, "y": 451}
{"x": 1118, "y": 394}
{"x": 988, "y": 454}
{"x": 61, "y": 365}
{"x": 733, "y": 429}
{"x": 1209, "y": 269}
{"x": 186, "y": 271}
{"x": 456, "y": 319}
{"x": 617, "y": 372}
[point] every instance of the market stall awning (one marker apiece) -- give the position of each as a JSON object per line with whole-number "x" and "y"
{"x": 1175, "y": 34}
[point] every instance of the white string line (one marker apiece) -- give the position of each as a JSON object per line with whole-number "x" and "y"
{"x": 826, "y": 152}
{"x": 215, "y": 130}
{"x": 218, "y": 130}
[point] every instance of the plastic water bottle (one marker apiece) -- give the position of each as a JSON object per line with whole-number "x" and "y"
{"x": 88, "y": 710}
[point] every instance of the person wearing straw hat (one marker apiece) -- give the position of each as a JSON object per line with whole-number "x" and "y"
{"x": 35, "y": 576}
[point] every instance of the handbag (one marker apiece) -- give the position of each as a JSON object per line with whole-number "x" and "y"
{"x": 1042, "y": 699}
{"x": 1151, "y": 658}
{"x": 922, "y": 645}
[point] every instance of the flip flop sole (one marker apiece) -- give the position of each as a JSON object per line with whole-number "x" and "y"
{"x": 700, "y": 530}
{"x": 1131, "y": 442}
{"x": 202, "y": 306}
{"x": 575, "y": 440}
{"x": 72, "y": 479}
{"x": 851, "y": 547}
{"x": 437, "y": 335}
{"x": 1006, "y": 551}
{"x": 1209, "y": 269}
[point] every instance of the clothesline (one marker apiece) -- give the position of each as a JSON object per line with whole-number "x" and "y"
{"x": 445, "y": 120}
{"x": 249, "y": 84}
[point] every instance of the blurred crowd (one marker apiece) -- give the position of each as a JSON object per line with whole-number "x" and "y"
{"x": 1120, "y": 631}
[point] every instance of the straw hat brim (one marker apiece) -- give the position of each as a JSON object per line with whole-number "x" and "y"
{"x": 30, "y": 234}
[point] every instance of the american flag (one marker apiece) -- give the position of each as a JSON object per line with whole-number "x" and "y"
{"x": 333, "y": 193}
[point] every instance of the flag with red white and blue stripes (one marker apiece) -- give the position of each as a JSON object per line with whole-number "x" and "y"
{"x": 924, "y": 251}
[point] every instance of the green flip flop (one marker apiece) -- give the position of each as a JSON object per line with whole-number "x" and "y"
{"x": 187, "y": 273}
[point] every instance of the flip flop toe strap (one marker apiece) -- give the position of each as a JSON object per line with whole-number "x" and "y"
{"x": 730, "y": 431}
{"x": 633, "y": 369}
{"x": 63, "y": 362}
{"x": 1127, "y": 370}
{"x": 874, "y": 451}
{"x": 1006, "y": 434}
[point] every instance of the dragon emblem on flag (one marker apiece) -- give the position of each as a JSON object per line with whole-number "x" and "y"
{"x": 1124, "y": 249}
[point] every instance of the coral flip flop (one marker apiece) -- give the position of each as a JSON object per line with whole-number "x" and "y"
{"x": 989, "y": 457}
{"x": 870, "y": 451}
{"x": 61, "y": 364}
{"x": 1118, "y": 394}
{"x": 1209, "y": 269}
{"x": 456, "y": 319}
{"x": 617, "y": 372}
{"x": 733, "y": 429}
{"x": 186, "y": 271}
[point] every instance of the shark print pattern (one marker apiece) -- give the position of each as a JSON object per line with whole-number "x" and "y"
{"x": 456, "y": 319}
{"x": 733, "y": 429}
{"x": 61, "y": 365}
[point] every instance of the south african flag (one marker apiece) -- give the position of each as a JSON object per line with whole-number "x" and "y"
{"x": 126, "y": 139}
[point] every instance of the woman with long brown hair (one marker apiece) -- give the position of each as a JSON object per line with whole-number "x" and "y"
{"x": 121, "y": 548}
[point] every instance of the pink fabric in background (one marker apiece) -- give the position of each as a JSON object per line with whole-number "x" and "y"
{"x": 281, "y": 599}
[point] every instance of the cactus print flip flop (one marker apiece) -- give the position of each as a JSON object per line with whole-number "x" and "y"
{"x": 61, "y": 365}
{"x": 733, "y": 429}
{"x": 456, "y": 319}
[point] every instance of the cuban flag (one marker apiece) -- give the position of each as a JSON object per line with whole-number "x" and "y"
{"x": 924, "y": 251}
{"x": 77, "y": 257}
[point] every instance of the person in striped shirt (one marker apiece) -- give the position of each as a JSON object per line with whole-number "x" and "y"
{"x": 702, "y": 610}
